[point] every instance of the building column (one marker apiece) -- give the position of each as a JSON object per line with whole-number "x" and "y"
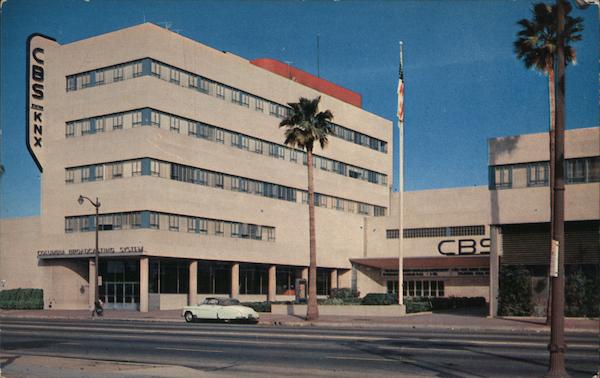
{"x": 193, "y": 284}
{"x": 92, "y": 282}
{"x": 235, "y": 280}
{"x": 272, "y": 283}
{"x": 333, "y": 278}
{"x": 144, "y": 284}
{"x": 344, "y": 278}
{"x": 495, "y": 252}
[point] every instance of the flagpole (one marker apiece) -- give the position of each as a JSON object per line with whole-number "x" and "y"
{"x": 401, "y": 177}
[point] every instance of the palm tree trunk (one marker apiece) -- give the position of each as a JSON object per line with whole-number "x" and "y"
{"x": 551, "y": 168}
{"x": 312, "y": 312}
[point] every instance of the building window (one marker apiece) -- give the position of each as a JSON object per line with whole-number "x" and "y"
{"x": 174, "y": 223}
{"x": 86, "y": 80}
{"x": 239, "y": 141}
{"x": 174, "y": 124}
{"x": 219, "y": 228}
{"x": 379, "y": 211}
{"x": 70, "y": 130}
{"x": 99, "y": 77}
{"x": 423, "y": 288}
{"x": 69, "y": 176}
{"x": 339, "y": 204}
{"x": 537, "y": 174}
{"x": 118, "y": 73}
{"x": 270, "y": 233}
{"x": 100, "y": 125}
{"x": 174, "y": 76}
{"x": 117, "y": 170}
{"x": 137, "y": 69}
{"x": 276, "y": 151}
{"x": 136, "y": 168}
{"x": 502, "y": 177}
{"x": 363, "y": 208}
{"x": 575, "y": 170}
{"x": 155, "y": 168}
{"x": 235, "y": 230}
{"x": 593, "y": 169}
{"x": 240, "y": 98}
{"x": 86, "y": 127}
{"x": 85, "y": 174}
{"x": 220, "y": 91}
{"x": 392, "y": 234}
{"x": 117, "y": 122}
{"x": 154, "y": 220}
{"x": 155, "y": 118}
{"x": 258, "y": 146}
{"x": 259, "y": 105}
{"x": 294, "y": 156}
{"x": 136, "y": 118}
{"x": 219, "y": 136}
{"x": 218, "y": 177}
{"x": 71, "y": 83}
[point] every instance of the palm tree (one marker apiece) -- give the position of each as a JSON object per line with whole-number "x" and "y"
{"x": 536, "y": 46}
{"x": 305, "y": 127}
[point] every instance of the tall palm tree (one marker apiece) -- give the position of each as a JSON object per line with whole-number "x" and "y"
{"x": 305, "y": 126}
{"x": 536, "y": 46}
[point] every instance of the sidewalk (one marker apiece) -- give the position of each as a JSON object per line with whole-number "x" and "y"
{"x": 448, "y": 320}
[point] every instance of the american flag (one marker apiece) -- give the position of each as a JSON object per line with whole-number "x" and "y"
{"x": 401, "y": 88}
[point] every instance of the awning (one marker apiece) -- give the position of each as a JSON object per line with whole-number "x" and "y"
{"x": 442, "y": 262}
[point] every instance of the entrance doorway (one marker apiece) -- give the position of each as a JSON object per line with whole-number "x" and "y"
{"x": 120, "y": 289}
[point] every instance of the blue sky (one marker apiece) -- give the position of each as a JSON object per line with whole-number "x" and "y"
{"x": 463, "y": 82}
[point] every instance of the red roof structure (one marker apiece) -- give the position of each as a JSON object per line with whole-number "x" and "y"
{"x": 309, "y": 80}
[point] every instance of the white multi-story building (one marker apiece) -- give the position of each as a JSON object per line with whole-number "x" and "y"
{"x": 199, "y": 196}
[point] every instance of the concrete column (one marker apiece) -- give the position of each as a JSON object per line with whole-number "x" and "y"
{"x": 344, "y": 278}
{"x": 495, "y": 252}
{"x": 333, "y": 278}
{"x": 92, "y": 282}
{"x": 193, "y": 284}
{"x": 235, "y": 280}
{"x": 144, "y": 284}
{"x": 305, "y": 274}
{"x": 272, "y": 283}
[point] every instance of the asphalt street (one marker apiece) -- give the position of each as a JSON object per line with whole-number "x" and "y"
{"x": 210, "y": 349}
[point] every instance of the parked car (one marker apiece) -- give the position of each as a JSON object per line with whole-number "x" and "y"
{"x": 225, "y": 309}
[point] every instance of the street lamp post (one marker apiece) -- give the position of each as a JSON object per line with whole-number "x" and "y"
{"x": 97, "y": 305}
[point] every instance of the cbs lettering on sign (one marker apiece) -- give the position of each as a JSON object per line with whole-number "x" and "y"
{"x": 38, "y": 47}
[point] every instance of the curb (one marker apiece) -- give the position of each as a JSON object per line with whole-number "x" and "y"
{"x": 301, "y": 324}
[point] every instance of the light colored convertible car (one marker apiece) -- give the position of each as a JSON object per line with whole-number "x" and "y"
{"x": 225, "y": 309}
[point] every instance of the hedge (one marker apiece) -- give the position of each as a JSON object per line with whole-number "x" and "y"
{"x": 22, "y": 299}
{"x": 423, "y": 304}
{"x": 514, "y": 292}
{"x": 379, "y": 299}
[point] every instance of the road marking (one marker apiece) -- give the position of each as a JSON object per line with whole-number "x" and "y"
{"x": 359, "y": 358}
{"x": 193, "y": 350}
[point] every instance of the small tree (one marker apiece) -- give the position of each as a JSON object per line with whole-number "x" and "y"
{"x": 514, "y": 294}
{"x": 305, "y": 126}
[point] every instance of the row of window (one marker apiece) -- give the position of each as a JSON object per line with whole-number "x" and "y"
{"x": 152, "y": 117}
{"x": 430, "y": 232}
{"x": 171, "y": 222}
{"x": 152, "y": 67}
{"x": 170, "y": 276}
{"x": 173, "y": 171}
{"x": 580, "y": 170}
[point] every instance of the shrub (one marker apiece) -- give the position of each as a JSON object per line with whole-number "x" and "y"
{"x": 379, "y": 299}
{"x": 417, "y": 305}
{"x": 343, "y": 293}
{"x": 263, "y": 306}
{"x": 582, "y": 294}
{"x": 22, "y": 299}
{"x": 514, "y": 294}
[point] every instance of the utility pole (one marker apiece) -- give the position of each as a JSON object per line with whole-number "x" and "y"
{"x": 557, "y": 322}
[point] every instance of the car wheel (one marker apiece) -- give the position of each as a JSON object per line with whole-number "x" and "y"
{"x": 188, "y": 316}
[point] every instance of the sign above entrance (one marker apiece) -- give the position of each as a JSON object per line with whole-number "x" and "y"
{"x": 88, "y": 252}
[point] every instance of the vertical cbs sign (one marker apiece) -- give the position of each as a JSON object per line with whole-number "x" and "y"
{"x": 36, "y": 112}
